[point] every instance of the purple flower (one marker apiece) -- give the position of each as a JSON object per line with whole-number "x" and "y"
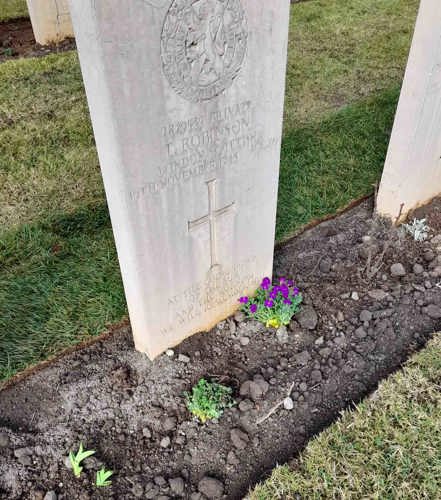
{"x": 274, "y": 292}
{"x": 282, "y": 281}
{"x": 253, "y": 308}
{"x": 290, "y": 283}
{"x": 243, "y": 300}
{"x": 287, "y": 302}
{"x": 295, "y": 292}
{"x": 284, "y": 291}
{"x": 269, "y": 303}
{"x": 266, "y": 282}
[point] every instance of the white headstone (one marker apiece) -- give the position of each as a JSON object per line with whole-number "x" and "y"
{"x": 50, "y": 19}
{"x": 186, "y": 99}
{"x": 412, "y": 172}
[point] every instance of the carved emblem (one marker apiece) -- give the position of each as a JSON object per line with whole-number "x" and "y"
{"x": 203, "y": 44}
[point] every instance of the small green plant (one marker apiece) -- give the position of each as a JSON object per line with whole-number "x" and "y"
{"x": 102, "y": 477}
{"x": 76, "y": 460}
{"x": 418, "y": 229}
{"x": 209, "y": 400}
{"x": 273, "y": 306}
{"x": 8, "y": 52}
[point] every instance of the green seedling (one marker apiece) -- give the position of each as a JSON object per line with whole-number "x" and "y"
{"x": 76, "y": 460}
{"x": 102, "y": 477}
{"x": 208, "y": 400}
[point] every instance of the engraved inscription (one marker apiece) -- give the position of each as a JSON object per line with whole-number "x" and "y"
{"x": 210, "y": 219}
{"x": 206, "y": 145}
{"x": 203, "y": 44}
{"x": 219, "y": 287}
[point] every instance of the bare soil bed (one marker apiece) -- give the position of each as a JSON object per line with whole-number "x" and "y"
{"x": 17, "y": 40}
{"x": 372, "y": 297}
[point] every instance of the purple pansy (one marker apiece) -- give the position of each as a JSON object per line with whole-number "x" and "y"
{"x": 287, "y": 302}
{"x": 290, "y": 283}
{"x": 282, "y": 281}
{"x": 243, "y": 300}
{"x": 284, "y": 290}
{"x": 269, "y": 303}
{"x": 253, "y": 308}
{"x": 274, "y": 292}
{"x": 266, "y": 282}
{"x": 295, "y": 291}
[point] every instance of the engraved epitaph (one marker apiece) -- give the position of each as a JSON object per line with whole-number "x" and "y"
{"x": 186, "y": 100}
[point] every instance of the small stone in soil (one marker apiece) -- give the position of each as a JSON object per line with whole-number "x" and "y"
{"x": 170, "y": 353}
{"x": 244, "y": 341}
{"x": 25, "y": 460}
{"x": 355, "y": 296}
{"x": 418, "y": 269}
{"x": 433, "y": 311}
{"x": 147, "y": 433}
{"x": 210, "y": 487}
{"x": 160, "y": 481}
{"x": 165, "y": 442}
{"x": 169, "y": 424}
{"x": 246, "y": 405}
{"x": 307, "y": 318}
{"x": 288, "y": 403}
{"x": 397, "y": 270}
{"x": 320, "y": 341}
{"x": 22, "y": 452}
{"x": 325, "y": 265}
{"x": 429, "y": 255}
{"x": 239, "y": 316}
{"x": 282, "y": 335}
{"x": 4, "y": 440}
{"x": 256, "y": 390}
{"x": 232, "y": 459}
{"x": 177, "y": 485}
{"x": 183, "y": 358}
{"x": 360, "y": 333}
{"x": 377, "y": 294}
{"x": 340, "y": 341}
{"x": 50, "y": 495}
{"x": 303, "y": 386}
{"x": 325, "y": 352}
{"x": 239, "y": 438}
{"x": 365, "y": 316}
{"x": 302, "y": 358}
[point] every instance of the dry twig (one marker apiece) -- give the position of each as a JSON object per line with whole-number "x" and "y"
{"x": 276, "y": 407}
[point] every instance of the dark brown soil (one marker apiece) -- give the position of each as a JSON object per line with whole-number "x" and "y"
{"x": 355, "y": 328}
{"x": 17, "y": 40}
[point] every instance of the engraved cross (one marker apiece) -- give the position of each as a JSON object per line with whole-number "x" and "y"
{"x": 211, "y": 219}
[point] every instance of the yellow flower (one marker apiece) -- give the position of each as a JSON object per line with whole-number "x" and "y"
{"x": 274, "y": 323}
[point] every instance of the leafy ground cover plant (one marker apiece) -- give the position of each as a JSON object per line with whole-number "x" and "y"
{"x": 102, "y": 477}
{"x": 273, "y": 305}
{"x": 208, "y": 400}
{"x": 76, "y": 460}
{"x": 418, "y": 229}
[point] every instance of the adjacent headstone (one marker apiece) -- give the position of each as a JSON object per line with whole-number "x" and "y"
{"x": 50, "y": 20}
{"x": 186, "y": 99}
{"x": 412, "y": 173}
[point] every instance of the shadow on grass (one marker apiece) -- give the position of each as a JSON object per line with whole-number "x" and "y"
{"x": 329, "y": 163}
{"x": 60, "y": 280}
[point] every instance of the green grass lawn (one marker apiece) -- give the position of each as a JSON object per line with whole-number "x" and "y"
{"x": 11, "y": 9}
{"x": 387, "y": 448}
{"x": 59, "y": 276}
